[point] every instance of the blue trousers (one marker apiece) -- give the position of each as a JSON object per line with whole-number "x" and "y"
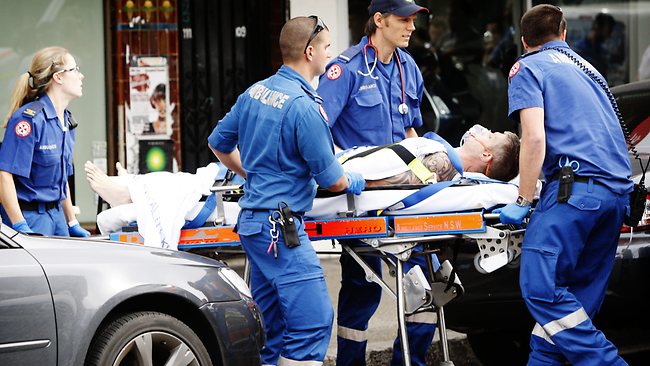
{"x": 43, "y": 221}
{"x": 290, "y": 291}
{"x": 567, "y": 256}
{"x": 358, "y": 301}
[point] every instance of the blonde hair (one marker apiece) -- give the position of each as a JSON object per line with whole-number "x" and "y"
{"x": 37, "y": 79}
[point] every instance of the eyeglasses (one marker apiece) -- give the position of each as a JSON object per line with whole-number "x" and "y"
{"x": 76, "y": 68}
{"x": 317, "y": 29}
{"x": 487, "y": 168}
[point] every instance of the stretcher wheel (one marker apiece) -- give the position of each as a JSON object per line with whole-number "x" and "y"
{"x": 428, "y": 299}
{"x": 512, "y": 261}
{"x": 477, "y": 264}
{"x": 511, "y": 255}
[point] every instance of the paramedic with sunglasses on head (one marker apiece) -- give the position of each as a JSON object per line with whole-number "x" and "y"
{"x": 571, "y": 134}
{"x": 372, "y": 94}
{"x": 36, "y": 154}
{"x": 285, "y": 148}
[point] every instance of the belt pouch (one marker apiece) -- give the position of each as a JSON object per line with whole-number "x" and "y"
{"x": 288, "y": 226}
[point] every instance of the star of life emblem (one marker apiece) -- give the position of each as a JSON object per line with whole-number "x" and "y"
{"x": 322, "y": 113}
{"x": 514, "y": 69}
{"x": 334, "y": 72}
{"x": 23, "y": 129}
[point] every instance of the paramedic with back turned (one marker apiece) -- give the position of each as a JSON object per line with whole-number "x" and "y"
{"x": 372, "y": 93}
{"x": 281, "y": 129}
{"x": 571, "y": 134}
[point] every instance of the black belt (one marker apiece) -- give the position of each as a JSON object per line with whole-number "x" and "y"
{"x": 576, "y": 178}
{"x": 34, "y": 205}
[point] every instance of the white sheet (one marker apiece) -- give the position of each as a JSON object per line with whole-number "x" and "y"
{"x": 451, "y": 199}
{"x": 161, "y": 202}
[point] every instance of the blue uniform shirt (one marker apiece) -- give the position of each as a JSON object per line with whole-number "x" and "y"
{"x": 284, "y": 141}
{"x": 362, "y": 110}
{"x": 38, "y": 152}
{"x": 579, "y": 120}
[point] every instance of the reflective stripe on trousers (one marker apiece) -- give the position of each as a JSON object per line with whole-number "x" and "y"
{"x": 352, "y": 334}
{"x": 287, "y": 362}
{"x": 426, "y": 317}
{"x": 551, "y": 328}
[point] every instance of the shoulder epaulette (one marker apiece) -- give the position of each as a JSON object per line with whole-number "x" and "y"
{"x": 33, "y": 108}
{"x": 348, "y": 54}
{"x": 313, "y": 95}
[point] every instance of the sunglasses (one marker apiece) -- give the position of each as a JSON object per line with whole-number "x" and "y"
{"x": 317, "y": 29}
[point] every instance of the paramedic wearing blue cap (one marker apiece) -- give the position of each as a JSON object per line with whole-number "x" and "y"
{"x": 372, "y": 95}
{"x": 568, "y": 125}
{"x": 285, "y": 145}
{"x": 36, "y": 155}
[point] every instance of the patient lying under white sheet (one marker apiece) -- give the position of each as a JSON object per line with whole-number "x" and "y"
{"x": 161, "y": 202}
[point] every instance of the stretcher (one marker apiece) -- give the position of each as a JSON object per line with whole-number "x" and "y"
{"x": 394, "y": 235}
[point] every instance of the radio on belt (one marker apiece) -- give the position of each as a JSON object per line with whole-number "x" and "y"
{"x": 288, "y": 226}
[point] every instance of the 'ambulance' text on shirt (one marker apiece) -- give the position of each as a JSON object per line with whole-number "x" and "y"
{"x": 267, "y": 96}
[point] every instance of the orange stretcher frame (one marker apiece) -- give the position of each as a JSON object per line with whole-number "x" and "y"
{"x": 340, "y": 228}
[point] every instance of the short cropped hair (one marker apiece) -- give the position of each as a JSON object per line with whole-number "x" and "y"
{"x": 294, "y": 37}
{"x": 541, "y": 24}
{"x": 505, "y": 159}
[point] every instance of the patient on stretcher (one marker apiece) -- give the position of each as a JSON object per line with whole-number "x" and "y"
{"x": 162, "y": 201}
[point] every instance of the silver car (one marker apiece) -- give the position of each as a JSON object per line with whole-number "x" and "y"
{"x": 67, "y": 301}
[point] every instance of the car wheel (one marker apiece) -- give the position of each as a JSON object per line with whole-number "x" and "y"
{"x": 147, "y": 338}
{"x": 503, "y": 348}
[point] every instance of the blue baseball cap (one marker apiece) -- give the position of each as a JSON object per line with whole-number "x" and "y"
{"x": 402, "y": 8}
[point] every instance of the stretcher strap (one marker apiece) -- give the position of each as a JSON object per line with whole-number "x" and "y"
{"x": 421, "y": 195}
{"x": 206, "y": 210}
{"x": 417, "y": 167}
{"x": 428, "y": 191}
{"x": 343, "y": 158}
{"x": 412, "y": 162}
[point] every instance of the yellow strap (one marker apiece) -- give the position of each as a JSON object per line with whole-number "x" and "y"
{"x": 420, "y": 171}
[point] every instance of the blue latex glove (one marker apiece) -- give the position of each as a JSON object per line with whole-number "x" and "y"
{"x": 77, "y": 231}
{"x": 357, "y": 183}
{"x": 512, "y": 213}
{"x": 23, "y": 227}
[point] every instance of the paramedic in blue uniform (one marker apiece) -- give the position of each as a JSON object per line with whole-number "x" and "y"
{"x": 36, "y": 154}
{"x": 276, "y": 136}
{"x": 372, "y": 95}
{"x": 570, "y": 242}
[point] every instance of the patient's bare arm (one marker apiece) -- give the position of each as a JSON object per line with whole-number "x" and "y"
{"x": 395, "y": 180}
{"x": 438, "y": 163}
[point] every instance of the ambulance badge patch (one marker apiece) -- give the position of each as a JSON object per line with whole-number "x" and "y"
{"x": 334, "y": 72}
{"x": 23, "y": 129}
{"x": 322, "y": 113}
{"x": 514, "y": 69}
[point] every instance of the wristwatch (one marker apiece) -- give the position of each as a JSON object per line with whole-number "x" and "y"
{"x": 522, "y": 201}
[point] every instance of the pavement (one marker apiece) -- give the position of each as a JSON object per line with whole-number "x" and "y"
{"x": 382, "y": 328}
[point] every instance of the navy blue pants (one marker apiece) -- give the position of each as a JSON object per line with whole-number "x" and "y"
{"x": 290, "y": 291}
{"x": 43, "y": 221}
{"x": 358, "y": 301}
{"x": 567, "y": 257}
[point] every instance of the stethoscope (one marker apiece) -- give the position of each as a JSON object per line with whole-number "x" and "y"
{"x": 402, "y": 108}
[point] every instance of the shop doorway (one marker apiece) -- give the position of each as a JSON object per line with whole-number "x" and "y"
{"x": 225, "y": 46}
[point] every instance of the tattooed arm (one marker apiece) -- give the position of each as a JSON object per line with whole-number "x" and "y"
{"x": 440, "y": 164}
{"x": 437, "y": 163}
